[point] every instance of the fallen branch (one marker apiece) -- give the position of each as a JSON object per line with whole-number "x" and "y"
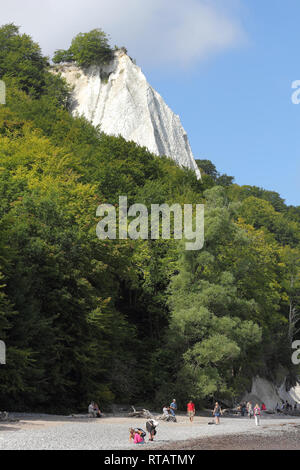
{"x": 140, "y": 413}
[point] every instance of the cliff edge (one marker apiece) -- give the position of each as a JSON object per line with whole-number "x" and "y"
{"x": 118, "y": 97}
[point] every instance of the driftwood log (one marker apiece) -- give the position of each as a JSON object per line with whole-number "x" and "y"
{"x": 140, "y": 413}
{"x": 168, "y": 418}
{"x": 4, "y": 417}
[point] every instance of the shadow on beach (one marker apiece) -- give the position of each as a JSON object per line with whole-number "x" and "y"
{"x": 276, "y": 440}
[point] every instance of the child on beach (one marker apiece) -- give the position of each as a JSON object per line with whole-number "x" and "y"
{"x": 131, "y": 434}
{"x": 138, "y": 439}
{"x": 137, "y": 435}
{"x": 217, "y": 413}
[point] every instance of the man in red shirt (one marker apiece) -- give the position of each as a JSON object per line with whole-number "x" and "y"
{"x": 191, "y": 410}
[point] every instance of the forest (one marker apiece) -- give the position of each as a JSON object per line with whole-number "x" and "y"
{"x": 128, "y": 321}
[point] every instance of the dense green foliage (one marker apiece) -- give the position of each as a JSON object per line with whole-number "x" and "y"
{"x": 86, "y": 49}
{"x": 130, "y": 321}
{"x": 210, "y": 173}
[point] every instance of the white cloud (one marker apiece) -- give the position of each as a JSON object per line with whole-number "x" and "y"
{"x": 156, "y": 32}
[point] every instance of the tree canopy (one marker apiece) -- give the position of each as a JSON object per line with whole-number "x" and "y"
{"x": 125, "y": 320}
{"x": 86, "y": 49}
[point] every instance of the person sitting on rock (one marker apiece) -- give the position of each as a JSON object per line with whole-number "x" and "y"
{"x": 97, "y": 410}
{"x": 166, "y": 413}
{"x": 91, "y": 410}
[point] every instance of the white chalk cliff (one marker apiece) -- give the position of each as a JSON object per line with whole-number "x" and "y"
{"x": 271, "y": 394}
{"x": 118, "y": 97}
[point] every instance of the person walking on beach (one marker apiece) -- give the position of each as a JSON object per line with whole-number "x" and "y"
{"x": 257, "y": 414}
{"x": 250, "y": 409}
{"x": 243, "y": 409}
{"x": 191, "y": 410}
{"x": 217, "y": 413}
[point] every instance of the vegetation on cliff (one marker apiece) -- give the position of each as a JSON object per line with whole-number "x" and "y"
{"x": 86, "y": 49}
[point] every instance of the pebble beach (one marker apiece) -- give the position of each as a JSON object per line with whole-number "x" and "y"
{"x": 45, "y": 432}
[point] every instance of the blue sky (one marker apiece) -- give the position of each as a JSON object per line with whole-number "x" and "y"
{"x": 236, "y": 106}
{"x": 225, "y": 66}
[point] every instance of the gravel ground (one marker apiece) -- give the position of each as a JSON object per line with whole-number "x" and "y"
{"x": 35, "y": 432}
{"x": 286, "y": 440}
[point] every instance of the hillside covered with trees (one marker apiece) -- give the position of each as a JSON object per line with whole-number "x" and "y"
{"x": 124, "y": 320}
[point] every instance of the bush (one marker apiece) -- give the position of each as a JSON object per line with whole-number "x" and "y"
{"x": 86, "y": 49}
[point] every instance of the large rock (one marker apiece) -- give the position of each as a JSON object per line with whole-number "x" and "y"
{"x": 263, "y": 391}
{"x": 119, "y": 99}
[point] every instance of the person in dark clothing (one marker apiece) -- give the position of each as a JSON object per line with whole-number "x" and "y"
{"x": 97, "y": 410}
{"x": 151, "y": 426}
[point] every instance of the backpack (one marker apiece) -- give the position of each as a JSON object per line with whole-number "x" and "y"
{"x": 142, "y": 432}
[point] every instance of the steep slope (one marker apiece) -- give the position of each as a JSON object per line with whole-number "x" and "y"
{"x": 119, "y": 99}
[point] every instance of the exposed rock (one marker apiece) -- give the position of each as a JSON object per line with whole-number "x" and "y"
{"x": 118, "y": 97}
{"x": 266, "y": 392}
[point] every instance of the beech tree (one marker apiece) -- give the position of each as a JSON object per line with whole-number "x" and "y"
{"x": 86, "y": 49}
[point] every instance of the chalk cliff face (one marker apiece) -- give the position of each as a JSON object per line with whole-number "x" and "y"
{"x": 271, "y": 394}
{"x": 118, "y": 97}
